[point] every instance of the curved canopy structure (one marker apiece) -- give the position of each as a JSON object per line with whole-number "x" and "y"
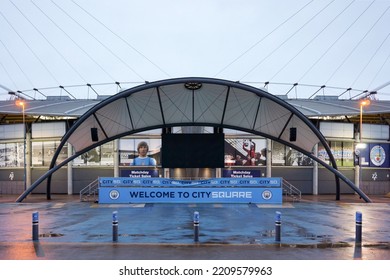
{"x": 193, "y": 102}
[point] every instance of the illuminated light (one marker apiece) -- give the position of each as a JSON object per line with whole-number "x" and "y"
{"x": 19, "y": 103}
{"x": 365, "y": 102}
{"x": 361, "y": 145}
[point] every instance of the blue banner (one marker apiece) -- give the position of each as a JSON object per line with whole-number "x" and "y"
{"x": 213, "y": 182}
{"x": 190, "y": 195}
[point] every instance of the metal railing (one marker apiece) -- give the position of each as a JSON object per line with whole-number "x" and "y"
{"x": 291, "y": 191}
{"x": 90, "y": 192}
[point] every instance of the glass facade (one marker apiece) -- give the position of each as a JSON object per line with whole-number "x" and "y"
{"x": 283, "y": 155}
{"x": 244, "y": 155}
{"x": 238, "y": 152}
{"x": 43, "y": 151}
{"x": 99, "y": 156}
{"x": 343, "y": 152}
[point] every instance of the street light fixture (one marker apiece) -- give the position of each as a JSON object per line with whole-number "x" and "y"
{"x": 22, "y": 104}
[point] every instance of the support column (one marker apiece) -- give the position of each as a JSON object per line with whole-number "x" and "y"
{"x": 357, "y": 175}
{"x": 70, "y": 170}
{"x": 315, "y": 172}
{"x": 116, "y": 157}
{"x": 167, "y": 173}
{"x": 268, "y": 163}
{"x": 28, "y": 159}
{"x": 218, "y": 172}
{"x": 357, "y": 165}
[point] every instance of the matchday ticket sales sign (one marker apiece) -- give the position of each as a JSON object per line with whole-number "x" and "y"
{"x": 217, "y": 190}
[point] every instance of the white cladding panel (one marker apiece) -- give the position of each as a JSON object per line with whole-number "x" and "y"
{"x": 11, "y": 131}
{"x": 375, "y": 131}
{"x": 337, "y": 130}
{"x": 47, "y": 130}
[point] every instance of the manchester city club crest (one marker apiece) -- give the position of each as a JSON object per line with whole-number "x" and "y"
{"x": 114, "y": 194}
{"x": 377, "y": 155}
{"x": 266, "y": 194}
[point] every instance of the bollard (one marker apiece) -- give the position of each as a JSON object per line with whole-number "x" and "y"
{"x": 115, "y": 226}
{"x": 35, "y": 226}
{"x": 359, "y": 224}
{"x": 196, "y": 226}
{"x": 278, "y": 225}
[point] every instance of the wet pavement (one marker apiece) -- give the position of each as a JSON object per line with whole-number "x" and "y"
{"x": 317, "y": 227}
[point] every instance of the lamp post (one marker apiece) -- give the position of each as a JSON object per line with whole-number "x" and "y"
{"x": 361, "y": 145}
{"x": 364, "y": 102}
{"x": 21, "y": 103}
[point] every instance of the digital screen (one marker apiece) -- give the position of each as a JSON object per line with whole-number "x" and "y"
{"x": 192, "y": 150}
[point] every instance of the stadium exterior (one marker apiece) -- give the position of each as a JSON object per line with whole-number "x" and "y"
{"x": 60, "y": 130}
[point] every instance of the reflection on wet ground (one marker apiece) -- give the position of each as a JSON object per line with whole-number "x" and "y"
{"x": 307, "y": 224}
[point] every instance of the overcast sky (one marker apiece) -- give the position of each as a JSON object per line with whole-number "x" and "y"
{"x": 341, "y": 44}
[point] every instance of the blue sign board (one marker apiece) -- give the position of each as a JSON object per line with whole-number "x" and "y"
{"x": 190, "y": 195}
{"x": 375, "y": 155}
{"x": 214, "y": 190}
